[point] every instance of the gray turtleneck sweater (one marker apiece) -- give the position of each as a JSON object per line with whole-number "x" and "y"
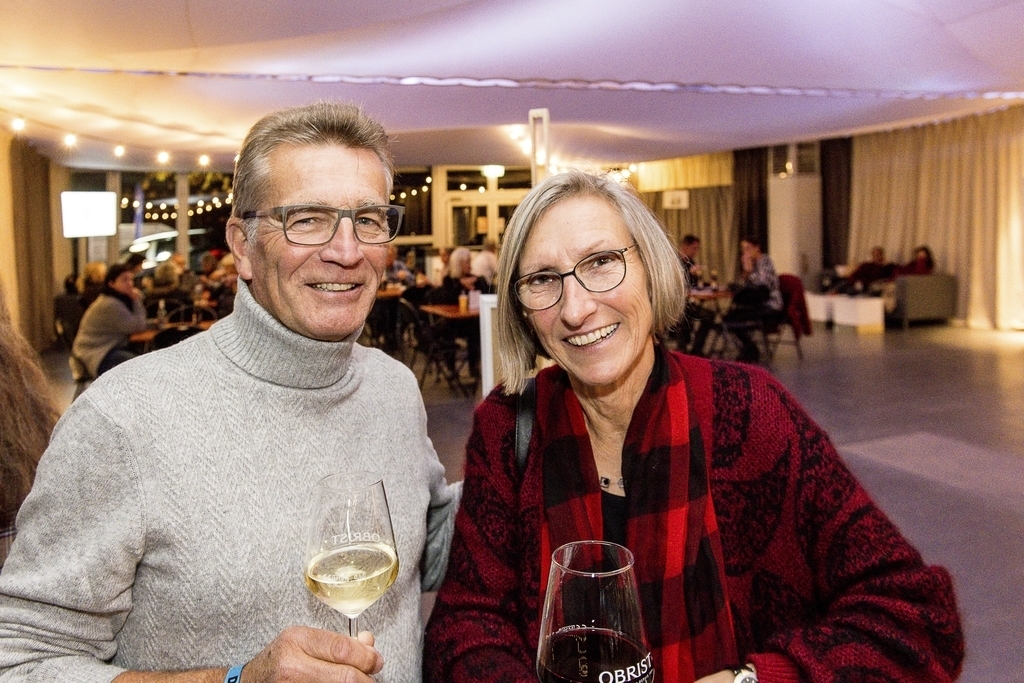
{"x": 166, "y": 528}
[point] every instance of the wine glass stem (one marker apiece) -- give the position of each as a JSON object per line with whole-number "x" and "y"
{"x": 353, "y": 630}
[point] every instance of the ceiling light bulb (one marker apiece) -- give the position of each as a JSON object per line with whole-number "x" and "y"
{"x": 204, "y": 160}
{"x": 163, "y": 157}
{"x": 18, "y": 124}
{"x": 119, "y": 151}
{"x": 70, "y": 139}
{"x": 492, "y": 171}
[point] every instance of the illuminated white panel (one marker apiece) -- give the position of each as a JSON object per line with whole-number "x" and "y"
{"x": 89, "y": 214}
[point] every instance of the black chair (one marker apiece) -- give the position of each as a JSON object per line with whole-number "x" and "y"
{"x": 741, "y": 332}
{"x": 169, "y": 336}
{"x": 189, "y": 314}
{"x": 440, "y": 350}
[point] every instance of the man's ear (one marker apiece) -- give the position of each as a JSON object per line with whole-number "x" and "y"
{"x": 238, "y": 242}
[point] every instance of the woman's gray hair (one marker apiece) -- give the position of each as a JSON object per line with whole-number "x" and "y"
{"x": 516, "y": 343}
{"x": 322, "y": 123}
{"x": 460, "y": 257}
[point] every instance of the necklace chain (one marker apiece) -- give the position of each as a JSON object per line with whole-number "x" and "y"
{"x": 606, "y": 482}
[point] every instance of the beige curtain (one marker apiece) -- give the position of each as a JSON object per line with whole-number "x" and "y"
{"x": 957, "y": 187}
{"x": 33, "y": 243}
{"x": 710, "y": 218}
{"x": 704, "y": 170}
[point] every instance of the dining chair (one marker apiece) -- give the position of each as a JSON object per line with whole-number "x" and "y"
{"x": 190, "y": 314}
{"x": 442, "y": 353}
{"x": 169, "y": 336}
{"x": 795, "y": 317}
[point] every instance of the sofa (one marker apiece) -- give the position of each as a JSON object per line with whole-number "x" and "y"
{"x": 921, "y": 297}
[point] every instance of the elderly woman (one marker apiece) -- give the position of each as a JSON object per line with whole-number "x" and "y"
{"x": 755, "y": 547}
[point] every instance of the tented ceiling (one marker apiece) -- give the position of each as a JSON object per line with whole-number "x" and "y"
{"x": 454, "y": 80}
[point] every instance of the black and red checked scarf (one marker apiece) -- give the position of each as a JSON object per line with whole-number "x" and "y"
{"x": 671, "y": 527}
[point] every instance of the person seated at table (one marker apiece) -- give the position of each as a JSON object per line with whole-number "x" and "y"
{"x": 459, "y": 279}
{"x": 458, "y": 282}
{"x": 868, "y": 276}
{"x": 485, "y": 262}
{"x": 396, "y": 272}
{"x": 91, "y": 282}
{"x": 166, "y": 285}
{"x": 440, "y": 266}
{"x": 756, "y": 299}
{"x": 692, "y": 330}
{"x": 753, "y": 542}
{"x": 222, "y": 299}
{"x": 116, "y": 314}
{"x": 922, "y": 264}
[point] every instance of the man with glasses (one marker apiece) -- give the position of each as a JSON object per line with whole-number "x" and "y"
{"x": 164, "y": 537}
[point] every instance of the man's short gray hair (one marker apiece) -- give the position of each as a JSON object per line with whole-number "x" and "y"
{"x": 517, "y": 345}
{"x": 322, "y": 123}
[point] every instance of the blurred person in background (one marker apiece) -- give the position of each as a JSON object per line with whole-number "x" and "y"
{"x": 91, "y": 282}
{"x": 440, "y": 267}
{"x": 27, "y": 416}
{"x": 396, "y": 271}
{"x": 923, "y": 263}
{"x": 166, "y": 284}
{"x": 485, "y": 261}
{"x": 115, "y": 315}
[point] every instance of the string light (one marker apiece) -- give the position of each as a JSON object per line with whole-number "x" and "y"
{"x": 163, "y": 157}
{"x": 18, "y": 125}
{"x": 119, "y": 151}
{"x": 70, "y": 140}
{"x": 204, "y": 160}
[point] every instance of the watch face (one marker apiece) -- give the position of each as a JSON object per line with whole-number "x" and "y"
{"x": 744, "y": 675}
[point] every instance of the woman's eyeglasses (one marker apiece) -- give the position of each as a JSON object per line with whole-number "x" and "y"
{"x": 599, "y": 272}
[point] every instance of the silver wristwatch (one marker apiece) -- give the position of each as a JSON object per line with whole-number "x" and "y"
{"x": 744, "y": 674}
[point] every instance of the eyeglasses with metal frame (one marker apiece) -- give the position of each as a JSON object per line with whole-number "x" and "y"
{"x": 311, "y": 225}
{"x": 599, "y": 272}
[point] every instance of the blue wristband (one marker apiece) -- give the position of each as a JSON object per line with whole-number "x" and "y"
{"x": 234, "y": 674}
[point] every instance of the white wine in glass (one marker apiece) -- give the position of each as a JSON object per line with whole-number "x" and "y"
{"x": 351, "y": 559}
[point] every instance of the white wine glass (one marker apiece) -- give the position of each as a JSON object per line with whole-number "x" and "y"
{"x": 591, "y": 630}
{"x": 351, "y": 558}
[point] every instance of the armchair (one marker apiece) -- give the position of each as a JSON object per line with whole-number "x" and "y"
{"x": 923, "y": 297}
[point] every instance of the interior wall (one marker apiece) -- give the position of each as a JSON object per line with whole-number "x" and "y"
{"x": 794, "y": 226}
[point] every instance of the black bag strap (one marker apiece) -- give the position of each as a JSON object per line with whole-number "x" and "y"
{"x": 526, "y": 410}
